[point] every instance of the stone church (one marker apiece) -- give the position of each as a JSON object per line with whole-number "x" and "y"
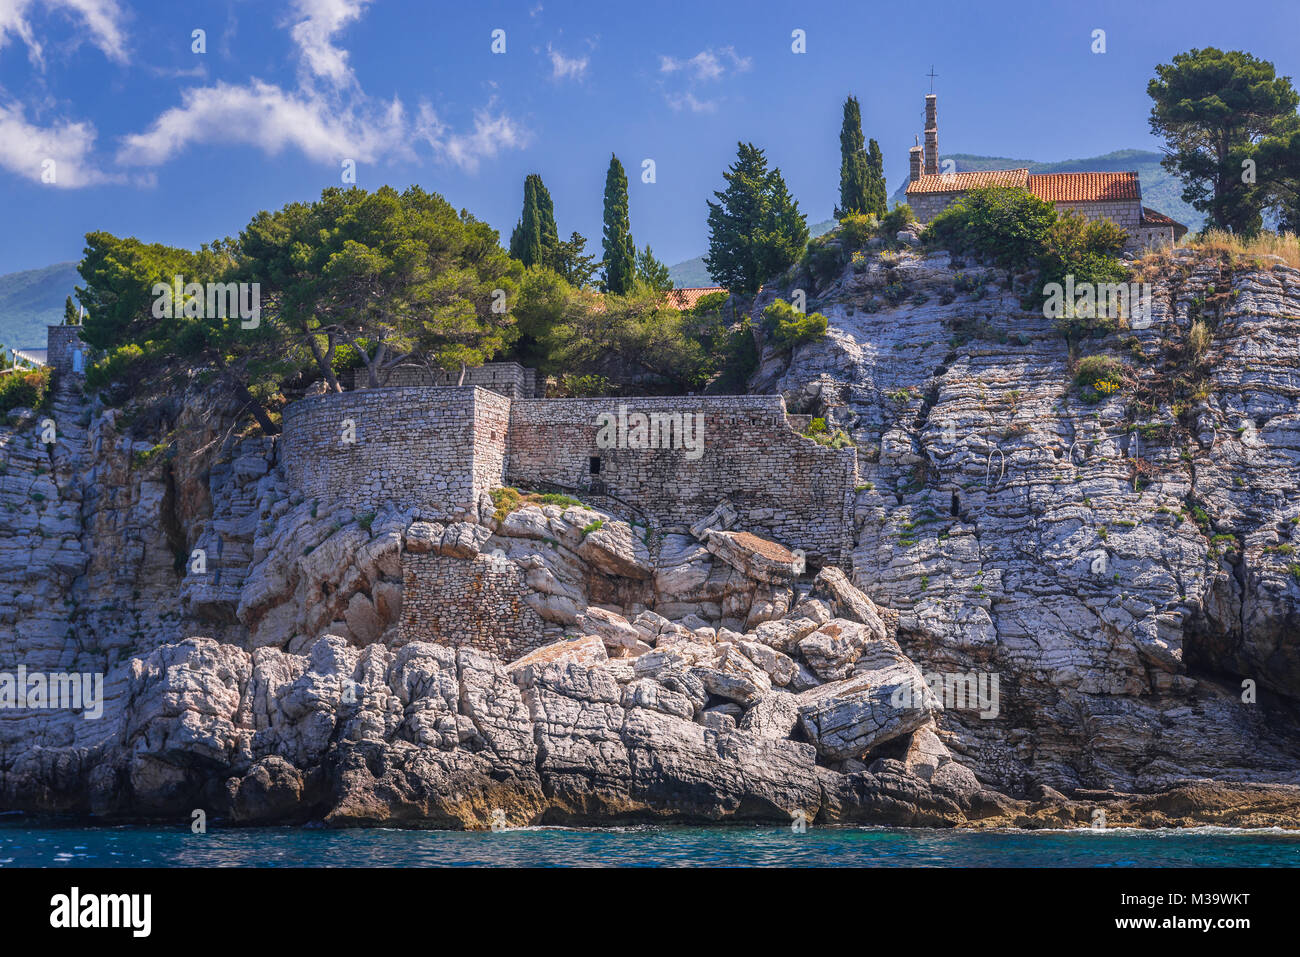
{"x": 1114, "y": 196}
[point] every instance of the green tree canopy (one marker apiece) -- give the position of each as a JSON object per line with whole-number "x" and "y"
{"x": 573, "y": 263}
{"x": 398, "y": 278}
{"x": 651, "y": 271}
{"x": 879, "y": 195}
{"x": 620, "y": 250}
{"x": 855, "y": 177}
{"x": 755, "y": 229}
{"x": 1213, "y": 109}
{"x": 535, "y": 238}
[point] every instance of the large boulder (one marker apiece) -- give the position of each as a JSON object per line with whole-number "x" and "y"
{"x": 846, "y": 719}
{"x": 755, "y": 557}
{"x": 615, "y": 549}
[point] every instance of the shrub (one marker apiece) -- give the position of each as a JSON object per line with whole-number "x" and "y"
{"x": 824, "y": 258}
{"x": 1088, "y": 251}
{"x": 900, "y": 217}
{"x": 712, "y": 302}
{"x": 1006, "y": 225}
{"x": 789, "y": 327}
{"x": 593, "y": 527}
{"x": 855, "y": 229}
{"x": 1198, "y": 340}
{"x": 114, "y": 367}
{"x": 584, "y": 386}
{"x": 25, "y": 389}
{"x": 1099, "y": 373}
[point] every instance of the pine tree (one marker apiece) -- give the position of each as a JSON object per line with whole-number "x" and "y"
{"x": 619, "y": 249}
{"x": 855, "y": 179}
{"x": 71, "y": 315}
{"x": 878, "y": 194}
{"x": 755, "y": 228}
{"x": 573, "y": 263}
{"x": 535, "y": 238}
{"x": 652, "y": 272}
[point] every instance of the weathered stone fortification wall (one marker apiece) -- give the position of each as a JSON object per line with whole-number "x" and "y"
{"x": 477, "y": 602}
{"x": 439, "y": 449}
{"x": 505, "y": 378}
{"x": 432, "y": 449}
{"x": 781, "y": 483}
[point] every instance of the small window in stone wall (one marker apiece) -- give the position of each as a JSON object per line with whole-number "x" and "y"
{"x": 595, "y": 465}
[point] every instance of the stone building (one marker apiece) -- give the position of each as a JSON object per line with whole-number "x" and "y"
{"x": 1116, "y": 196}
{"x": 439, "y": 450}
{"x": 64, "y": 352}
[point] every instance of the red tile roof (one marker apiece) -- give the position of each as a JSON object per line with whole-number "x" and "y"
{"x": 960, "y": 182}
{"x": 686, "y": 298}
{"x": 1149, "y": 215}
{"x": 1085, "y": 187}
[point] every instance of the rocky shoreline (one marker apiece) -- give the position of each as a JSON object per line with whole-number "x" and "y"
{"x": 699, "y": 675}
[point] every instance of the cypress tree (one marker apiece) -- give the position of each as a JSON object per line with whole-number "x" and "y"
{"x": 876, "y": 171}
{"x": 620, "y": 251}
{"x": 855, "y": 180}
{"x": 535, "y": 238}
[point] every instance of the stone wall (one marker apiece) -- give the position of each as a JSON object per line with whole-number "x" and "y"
{"x": 1127, "y": 213}
{"x": 438, "y": 450}
{"x": 505, "y": 378}
{"x": 478, "y": 602}
{"x": 782, "y": 484}
{"x": 62, "y": 345}
{"x": 432, "y": 449}
{"x": 926, "y": 206}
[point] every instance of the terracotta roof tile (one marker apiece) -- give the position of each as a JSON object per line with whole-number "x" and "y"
{"x": 1149, "y": 215}
{"x": 1085, "y": 187}
{"x": 960, "y": 182}
{"x": 687, "y": 298}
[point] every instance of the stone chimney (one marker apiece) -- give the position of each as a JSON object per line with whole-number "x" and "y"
{"x": 931, "y": 137}
{"x": 915, "y": 158}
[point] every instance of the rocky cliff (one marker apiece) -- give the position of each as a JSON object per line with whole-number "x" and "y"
{"x": 1117, "y": 570}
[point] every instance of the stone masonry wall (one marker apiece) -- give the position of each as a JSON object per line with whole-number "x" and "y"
{"x": 926, "y": 206}
{"x": 61, "y": 343}
{"x": 438, "y": 450}
{"x": 414, "y": 447}
{"x": 782, "y": 484}
{"x": 1127, "y": 213}
{"x": 460, "y": 602}
{"x": 505, "y": 378}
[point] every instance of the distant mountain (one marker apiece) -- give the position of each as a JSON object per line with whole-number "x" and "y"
{"x": 31, "y": 300}
{"x": 1160, "y": 190}
{"x": 693, "y": 273}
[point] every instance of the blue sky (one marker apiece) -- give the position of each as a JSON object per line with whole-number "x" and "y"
{"x": 151, "y": 139}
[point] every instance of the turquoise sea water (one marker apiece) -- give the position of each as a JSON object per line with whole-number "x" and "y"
{"x": 23, "y": 846}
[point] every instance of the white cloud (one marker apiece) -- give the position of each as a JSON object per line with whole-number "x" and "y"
{"x": 562, "y": 66}
{"x": 102, "y": 18}
{"x": 709, "y": 64}
{"x": 493, "y": 133}
{"x": 688, "y": 101}
{"x": 318, "y": 21}
{"x": 26, "y": 148}
{"x": 265, "y": 116}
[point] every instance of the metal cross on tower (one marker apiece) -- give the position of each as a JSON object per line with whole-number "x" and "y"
{"x": 932, "y": 75}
